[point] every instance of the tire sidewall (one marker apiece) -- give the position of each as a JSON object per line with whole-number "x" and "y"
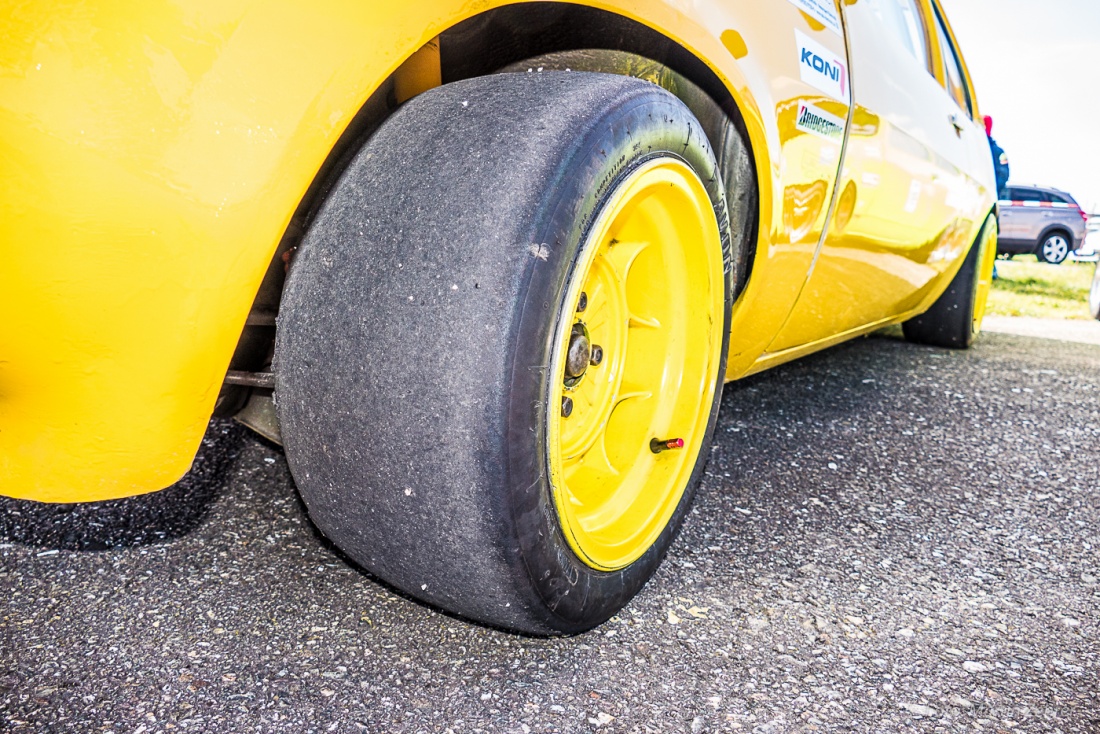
{"x": 1043, "y": 246}
{"x": 653, "y": 126}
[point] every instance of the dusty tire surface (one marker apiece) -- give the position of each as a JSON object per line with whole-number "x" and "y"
{"x": 413, "y": 351}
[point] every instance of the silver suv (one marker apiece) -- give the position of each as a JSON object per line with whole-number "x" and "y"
{"x": 1046, "y": 222}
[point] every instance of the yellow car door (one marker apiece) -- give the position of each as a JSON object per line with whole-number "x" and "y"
{"x": 801, "y": 45}
{"x": 910, "y": 203}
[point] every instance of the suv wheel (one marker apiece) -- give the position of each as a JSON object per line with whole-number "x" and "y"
{"x": 1054, "y": 249}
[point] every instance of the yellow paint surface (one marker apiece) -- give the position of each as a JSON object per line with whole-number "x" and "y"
{"x": 151, "y": 157}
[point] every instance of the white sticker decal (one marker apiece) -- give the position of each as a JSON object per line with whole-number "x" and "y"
{"x": 814, "y": 120}
{"x": 823, "y": 11}
{"x": 915, "y": 190}
{"x": 821, "y": 68}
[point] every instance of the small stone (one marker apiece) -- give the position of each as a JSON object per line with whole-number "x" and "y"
{"x": 601, "y": 719}
{"x": 557, "y": 709}
{"x": 672, "y": 618}
{"x": 756, "y": 624}
{"x": 918, "y": 710}
{"x": 905, "y": 632}
{"x": 961, "y": 702}
{"x": 1068, "y": 622}
{"x": 972, "y": 667}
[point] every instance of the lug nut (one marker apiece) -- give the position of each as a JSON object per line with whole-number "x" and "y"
{"x": 583, "y": 302}
{"x": 658, "y": 445}
{"x": 567, "y": 407}
{"x": 597, "y": 355}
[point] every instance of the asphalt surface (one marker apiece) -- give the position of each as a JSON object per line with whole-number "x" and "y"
{"x": 889, "y": 538}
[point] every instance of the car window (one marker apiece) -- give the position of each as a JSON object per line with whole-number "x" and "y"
{"x": 904, "y": 20}
{"x": 1046, "y": 196}
{"x": 1026, "y": 195}
{"x": 956, "y": 82}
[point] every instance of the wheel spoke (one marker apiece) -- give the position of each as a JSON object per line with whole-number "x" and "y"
{"x": 631, "y": 395}
{"x": 640, "y": 322}
{"x": 593, "y": 459}
{"x": 620, "y": 256}
{"x": 599, "y": 308}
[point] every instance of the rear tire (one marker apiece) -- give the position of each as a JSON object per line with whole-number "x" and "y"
{"x": 955, "y": 319}
{"x": 1054, "y": 249}
{"x": 432, "y": 312}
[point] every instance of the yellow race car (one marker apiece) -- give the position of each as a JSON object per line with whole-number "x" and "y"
{"x": 481, "y": 267}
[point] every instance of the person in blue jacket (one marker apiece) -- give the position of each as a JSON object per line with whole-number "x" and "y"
{"x": 1000, "y": 169}
{"x": 1000, "y": 159}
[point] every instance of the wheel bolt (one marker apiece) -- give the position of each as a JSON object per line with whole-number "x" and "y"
{"x": 566, "y": 407}
{"x": 583, "y": 302}
{"x": 597, "y": 355}
{"x": 658, "y": 445}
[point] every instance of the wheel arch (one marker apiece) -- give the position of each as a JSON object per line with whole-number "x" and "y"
{"x": 187, "y": 175}
{"x": 1055, "y": 229}
{"x": 491, "y": 42}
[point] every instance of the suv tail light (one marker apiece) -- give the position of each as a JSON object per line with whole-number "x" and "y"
{"x": 1083, "y": 215}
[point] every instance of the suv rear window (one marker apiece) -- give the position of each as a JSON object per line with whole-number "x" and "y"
{"x": 1026, "y": 195}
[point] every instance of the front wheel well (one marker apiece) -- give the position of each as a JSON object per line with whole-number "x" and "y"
{"x": 563, "y": 36}
{"x": 1052, "y": 230}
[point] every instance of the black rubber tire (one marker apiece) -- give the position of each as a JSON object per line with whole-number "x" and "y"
{"x": 1040, "y": 251}
{"x": 415, "y": 333}
{"x": 950, "y": 321}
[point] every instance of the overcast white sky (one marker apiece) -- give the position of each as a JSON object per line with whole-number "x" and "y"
{"x": 1036, "y": 69}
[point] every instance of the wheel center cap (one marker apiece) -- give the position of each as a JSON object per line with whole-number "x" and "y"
{"x": 580, "y": 353}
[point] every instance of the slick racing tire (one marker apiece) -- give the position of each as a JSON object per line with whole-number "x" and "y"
{"x": 501, "y": 348}
{"x": 955, "y": 319}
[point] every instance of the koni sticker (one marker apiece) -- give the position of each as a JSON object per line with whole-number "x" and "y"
{"x": 823, "y": 11}
{"x": 821, "y": 68}
{"x": 816, "y": 121}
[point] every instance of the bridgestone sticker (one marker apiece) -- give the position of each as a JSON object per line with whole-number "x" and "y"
{"x": 821, "y": 68}
{"x": 816, "y": 121}
{"x": 823, "y": 11}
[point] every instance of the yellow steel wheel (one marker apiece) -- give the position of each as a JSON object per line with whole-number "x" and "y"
{"x": 987, "y": 258}
{"x": 636, "y": 360}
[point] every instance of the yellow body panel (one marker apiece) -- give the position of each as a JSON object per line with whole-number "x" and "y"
{"x": 913, "y": 198}
{"x": 151, "y": 158}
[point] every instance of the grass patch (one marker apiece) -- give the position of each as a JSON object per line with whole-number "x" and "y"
{"x": 1026, "y": 287}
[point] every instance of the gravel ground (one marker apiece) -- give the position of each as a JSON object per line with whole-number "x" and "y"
{"x": 889, "y": 538}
